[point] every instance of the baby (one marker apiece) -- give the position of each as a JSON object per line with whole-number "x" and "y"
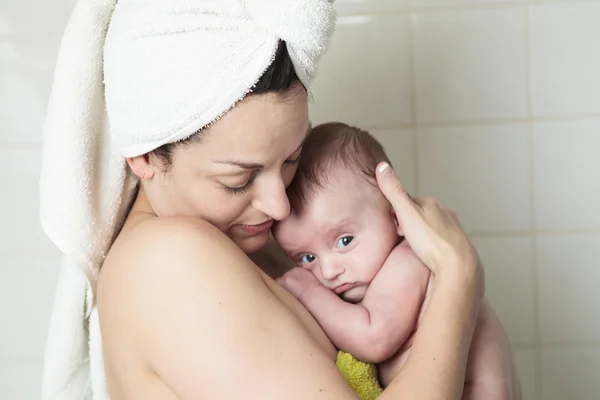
{"x": 362, "y": 282}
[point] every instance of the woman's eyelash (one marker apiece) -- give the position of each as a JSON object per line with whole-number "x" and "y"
{"x": 241, "y": 189}
{"x": 292, "y": 162}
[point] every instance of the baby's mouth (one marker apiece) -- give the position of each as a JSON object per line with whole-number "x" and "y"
{"x": 344, "y": 287}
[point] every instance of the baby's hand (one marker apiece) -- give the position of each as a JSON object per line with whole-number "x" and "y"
{"x": 298, "y": 281}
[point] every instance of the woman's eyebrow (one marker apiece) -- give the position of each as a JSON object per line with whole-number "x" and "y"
{"x": 299, "y": 147}
{"x": 305, "y": 137}
{"x": 241, "y": 164}
{"x": 255, "y": 166}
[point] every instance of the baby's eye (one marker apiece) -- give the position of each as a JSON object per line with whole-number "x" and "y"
{"x": 307, "y": 258}
{"x": 343, "y": 242}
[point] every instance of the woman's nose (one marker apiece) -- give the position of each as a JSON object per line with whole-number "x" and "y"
{"x": 273, "y": 201}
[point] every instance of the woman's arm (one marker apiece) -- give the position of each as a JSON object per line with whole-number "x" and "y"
{"x": 210, "y": 327}
{"x": 435, "y": 368}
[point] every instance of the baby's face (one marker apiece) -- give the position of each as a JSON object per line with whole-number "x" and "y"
{"x": 343, "y": 235}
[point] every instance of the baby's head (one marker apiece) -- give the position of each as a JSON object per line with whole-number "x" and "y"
{"x": 341, "y": 227}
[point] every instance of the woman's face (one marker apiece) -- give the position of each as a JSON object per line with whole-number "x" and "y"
{"x": 236, "y": 176}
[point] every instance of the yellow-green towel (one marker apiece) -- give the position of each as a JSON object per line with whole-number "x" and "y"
{"x": 361, "y": 376}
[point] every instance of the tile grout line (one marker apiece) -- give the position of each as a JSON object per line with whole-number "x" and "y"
{"x": 431, "y": 9}
{"x": 457, "y": 7}
{"x": 466, "y": 7}
{"x": 485, "y": 122}
{"x": 20, "y": 146}
{"x": 498, "y": 121}
{"x": 414, "y": 111}
{"x": 538, "y": 376}
{"x": 482, "y": 234}
{"x": 29, "y": 253}
{"x": 36, "y": 145}
{"x": 555, "y": 345}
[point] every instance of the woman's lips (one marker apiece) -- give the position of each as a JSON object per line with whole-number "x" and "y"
{"x": 258, "y": 228}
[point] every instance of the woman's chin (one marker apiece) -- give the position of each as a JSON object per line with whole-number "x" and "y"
{"x": 252, "y": 244}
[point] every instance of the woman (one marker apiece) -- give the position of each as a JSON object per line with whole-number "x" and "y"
{"x": 185, "y": 314}
{"x": 209, "y": 107}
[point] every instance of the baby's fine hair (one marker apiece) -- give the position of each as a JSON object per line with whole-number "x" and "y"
{"x": 331, "y": 146}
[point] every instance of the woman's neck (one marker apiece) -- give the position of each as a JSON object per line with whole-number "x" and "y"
{"x": 140, "y": 210}
{"x": 272, "y": 260}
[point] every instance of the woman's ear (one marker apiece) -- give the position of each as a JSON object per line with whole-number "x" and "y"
{"x": 142, "y": 167}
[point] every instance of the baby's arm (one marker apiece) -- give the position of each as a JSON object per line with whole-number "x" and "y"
{"x": 394, "y": 300}
{"x": 376, "y": 328}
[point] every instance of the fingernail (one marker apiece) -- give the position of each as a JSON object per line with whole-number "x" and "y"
{"x": 383, "y": 167}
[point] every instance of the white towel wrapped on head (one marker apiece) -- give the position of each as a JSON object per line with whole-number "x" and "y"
{"x": 131, "y": 76}
{"x": 221, "y": 48}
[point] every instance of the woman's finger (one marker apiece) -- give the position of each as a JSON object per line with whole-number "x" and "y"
{"x": 416, "y": 201}
{"x": 406, "y": 210}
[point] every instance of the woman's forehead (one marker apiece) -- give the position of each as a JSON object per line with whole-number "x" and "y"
{"x": 261, "y": 121}
{"x": 261, "y": 147}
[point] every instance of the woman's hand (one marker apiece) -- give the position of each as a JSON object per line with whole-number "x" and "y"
{"x": 436, "y": 366}
{"x": 432, "y": 231}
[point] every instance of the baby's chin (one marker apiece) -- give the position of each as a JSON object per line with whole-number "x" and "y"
{"x": 355, "y": 295}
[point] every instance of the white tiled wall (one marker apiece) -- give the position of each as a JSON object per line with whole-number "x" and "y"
{"x": 493, "y": 106}
{"x": 497, "y": 115}
{"x": 29, "y": 35}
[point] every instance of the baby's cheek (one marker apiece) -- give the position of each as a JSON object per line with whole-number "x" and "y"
{"x": 373, "y": 261}
{"x": 355, "y": 295}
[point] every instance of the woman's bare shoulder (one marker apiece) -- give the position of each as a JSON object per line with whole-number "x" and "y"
{"x": 144, "y": 234}
{"x": 157, "y": 248}
{"x": 197, "y": 307}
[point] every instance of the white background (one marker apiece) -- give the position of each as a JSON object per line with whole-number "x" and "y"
{"x": 492, "y": 106}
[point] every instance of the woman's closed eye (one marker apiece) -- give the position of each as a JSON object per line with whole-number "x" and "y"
{"x": 294, "y": 158}
{"x": 240, "y": 188}
{"x": 292, "y": 162}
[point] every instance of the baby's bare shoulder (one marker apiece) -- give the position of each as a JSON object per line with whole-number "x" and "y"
{"x": 403, "y": 256}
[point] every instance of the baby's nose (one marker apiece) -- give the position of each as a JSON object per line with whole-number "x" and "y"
{"x": 332, "y": 270}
